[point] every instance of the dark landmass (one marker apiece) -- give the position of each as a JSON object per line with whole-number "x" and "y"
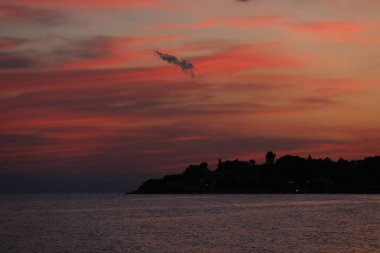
{"x": 288, "y": 174}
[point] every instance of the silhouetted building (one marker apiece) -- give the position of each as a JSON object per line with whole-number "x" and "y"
{"x": 269, "y": 157}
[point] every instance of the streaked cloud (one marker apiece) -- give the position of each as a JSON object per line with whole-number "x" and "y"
{"x": 15, "y": 60}
{"x": 241, "y": 22}
{"x": 24, "y": 14}
{"x": 142, "y": 4}
{"x": 238, "y": 58}
{"x": 7, "y": 43}
{"x": 337, "y": 30}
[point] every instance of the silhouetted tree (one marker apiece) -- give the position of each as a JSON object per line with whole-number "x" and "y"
{"x": 197, "y": 170}
{"x": 252, "y": 162}
{"x": 269, "y": 157}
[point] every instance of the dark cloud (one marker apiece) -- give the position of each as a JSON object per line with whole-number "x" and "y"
{"x": 318, "y": 101}
{"x": 14, "y": 140}
{"x": 185, "y": 65}
{"x": 15, "y": 60}
{"x": 15, "y": 13}
{"x": 66, "y": 51}
{"x": 88, "y": 48}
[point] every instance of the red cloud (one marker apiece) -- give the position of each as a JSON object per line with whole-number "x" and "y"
{"x": 339, "y": 31}
{"x": 192, "y": 138}
{"x": 247, "y": 21}
{"x": 331, "y": 27}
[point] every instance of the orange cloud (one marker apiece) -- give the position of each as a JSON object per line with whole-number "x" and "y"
{"x": 245, "y": 57}
{"x": 236, "y": 22}
{"x": 338, "y": 31}
{"x": 335, "y": 30}
{"x": 247, "y": 21}
{"x": 191, "y": 138}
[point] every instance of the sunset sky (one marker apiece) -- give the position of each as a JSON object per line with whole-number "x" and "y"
{"x": 82, "y": 90}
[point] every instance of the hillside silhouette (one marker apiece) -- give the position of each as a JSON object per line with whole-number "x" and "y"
{"x": 287, "y": 174}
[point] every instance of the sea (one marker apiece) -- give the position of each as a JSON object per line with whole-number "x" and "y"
{"x": 189, "y": 223}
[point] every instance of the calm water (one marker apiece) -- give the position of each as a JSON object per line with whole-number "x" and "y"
{"x": 189, "y": 223}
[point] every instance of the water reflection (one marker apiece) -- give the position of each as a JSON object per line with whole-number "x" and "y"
{"x": 189, "y": 223}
